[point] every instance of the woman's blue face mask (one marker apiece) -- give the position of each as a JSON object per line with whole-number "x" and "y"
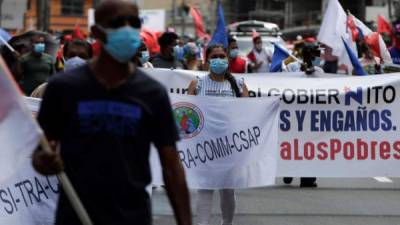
{"x": 218, "y": 66}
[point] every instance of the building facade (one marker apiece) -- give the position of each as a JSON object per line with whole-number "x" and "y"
{"x": 57, "y": 15}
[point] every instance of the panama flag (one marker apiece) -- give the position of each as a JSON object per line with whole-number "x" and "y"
{"x": 19, "y": 133}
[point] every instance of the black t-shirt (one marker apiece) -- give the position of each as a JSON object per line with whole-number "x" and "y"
{"x": 105, "y": 137}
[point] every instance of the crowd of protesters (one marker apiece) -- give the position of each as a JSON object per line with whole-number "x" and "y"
{"x": 80, "y": 60}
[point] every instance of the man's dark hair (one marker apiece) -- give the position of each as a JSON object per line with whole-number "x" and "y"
{"x": 256, "y": 39}
{"x": 231, "y": 39}
{"x": 79, "y": 43}
{"x": 166, "y": 39}
{"x": 33, "y": 37}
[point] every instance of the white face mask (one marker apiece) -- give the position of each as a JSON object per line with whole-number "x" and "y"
{"x": 73, "y": 63}
{"x": 259, "y": 46}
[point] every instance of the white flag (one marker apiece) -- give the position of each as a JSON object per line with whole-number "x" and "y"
{"x": 19, "y": 133}
{"x": 384, "y": 52}
{"x": 27, "y": 198}
{"x": 333, "y": 29}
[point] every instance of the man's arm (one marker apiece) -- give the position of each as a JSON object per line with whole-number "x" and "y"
{"x": 175, "y": 184}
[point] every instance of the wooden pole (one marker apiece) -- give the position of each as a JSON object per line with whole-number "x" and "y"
{"x": 69, "y": 190}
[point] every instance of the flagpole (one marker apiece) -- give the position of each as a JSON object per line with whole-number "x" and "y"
{"x": 7, "y": 44}
{"x": 69, "y": 190}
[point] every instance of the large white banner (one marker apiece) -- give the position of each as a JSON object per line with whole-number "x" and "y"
{"x": 220, "y": 148}
{"x": 329, "y": 125}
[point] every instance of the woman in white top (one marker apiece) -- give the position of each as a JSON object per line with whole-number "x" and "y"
{"x": 219, "y": 82}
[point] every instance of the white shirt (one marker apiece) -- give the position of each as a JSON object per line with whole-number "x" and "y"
{"x": 263, "y": 56}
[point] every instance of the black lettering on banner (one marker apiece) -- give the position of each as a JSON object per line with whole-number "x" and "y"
{"x": 234, "y": 142}
{"x": 216, "y": 151}
{"x": 40, "y": 189}
{"x": 206, "y": 143}
{"x": 182, "y": 156}
{"x": 257, "y": 133}
{"x": 333, "y": 94}
{"x": 251, "y": 138}
{"x": 220, "y": 145}
{"x": 226, "y": 146}
{"x": 12, "y": 198}
{"x": 18, "y": 185}
{"x": 56, "y": 191}
{"x": 190, "y": 158}
{"x": 243, "y": 137}
{"x": 3, "y": 198}
{"x": 29, "y": 188}
{"x": 198, "y": 146}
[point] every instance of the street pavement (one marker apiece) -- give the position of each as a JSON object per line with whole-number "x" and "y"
{"x": 344, "y": 201}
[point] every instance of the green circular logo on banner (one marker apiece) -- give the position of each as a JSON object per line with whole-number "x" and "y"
{"x": 189, "y": 119}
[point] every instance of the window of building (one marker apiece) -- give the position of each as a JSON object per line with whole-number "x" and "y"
{"x": 72, "y": 7}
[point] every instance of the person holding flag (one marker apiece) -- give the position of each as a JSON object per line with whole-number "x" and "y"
{"x": 259, "y": 57}
{"x": 104, "y": 116}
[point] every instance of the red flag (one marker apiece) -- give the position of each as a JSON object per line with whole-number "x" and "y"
{"x": 352, "y": 26}
{"x": 383, "y": 25}
{"x": 151, "y": 41}
{"x": 198, "y": 22}
{"x": 372, "y": 41}
{"x": 255, "y": 34}
{"x": 77, "y": 34}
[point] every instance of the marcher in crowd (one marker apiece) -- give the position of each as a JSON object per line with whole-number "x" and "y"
{"x": 191, "y": 54}
{"x": 395, "y": 49}
{"x": 104, "y": 116}
{"x": 142, "y": 57}
{"x": 308, "y": 67}
{"x": 237, "y": 64}
{"x": 220, "y": 83}
{"x": 368, "y": 61}
{"x": 259, "y": 57}
{"x": 36, "y": 66}
{"x": 167, "y": 57}
{"x": 76, "y": 53}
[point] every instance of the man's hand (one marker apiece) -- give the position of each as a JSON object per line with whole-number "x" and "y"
{"x": 175, "y": 184}
{"x": 47, "y": 162}
{"x": 257, "y": 65}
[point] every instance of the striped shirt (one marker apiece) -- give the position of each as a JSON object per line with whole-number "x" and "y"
{"x": 207, "y": 87}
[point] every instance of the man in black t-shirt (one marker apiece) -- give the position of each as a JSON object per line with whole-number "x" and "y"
{"x": 104, "y": 115}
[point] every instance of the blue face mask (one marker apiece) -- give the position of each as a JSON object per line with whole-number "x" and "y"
{"x": 316, "y": 61}
{"x": 122, "y": 43}
{"x": 218, "y": 66}
{"x": 145, "y": 57}
{"x": 178, "y": 52}
{"x": 39, "y": 47}
{"x": 234, "y": 53}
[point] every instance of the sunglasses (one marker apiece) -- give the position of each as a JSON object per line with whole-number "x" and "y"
{"x": 121, "y": 21}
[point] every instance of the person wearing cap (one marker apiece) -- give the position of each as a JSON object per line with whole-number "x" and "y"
{"x": 395, "y": 49}
{"x": 191, "y": 56}
{"x": 259, "y": 57}
{"x": 236, "y": 63}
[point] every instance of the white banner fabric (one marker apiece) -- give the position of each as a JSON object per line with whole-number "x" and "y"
{"x": 330, "y": 125}
{"x": 220, "y": 148}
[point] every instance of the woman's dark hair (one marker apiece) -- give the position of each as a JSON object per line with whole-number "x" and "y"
{"x": 227, "y": 74}
{"x": 82, "y": 43}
